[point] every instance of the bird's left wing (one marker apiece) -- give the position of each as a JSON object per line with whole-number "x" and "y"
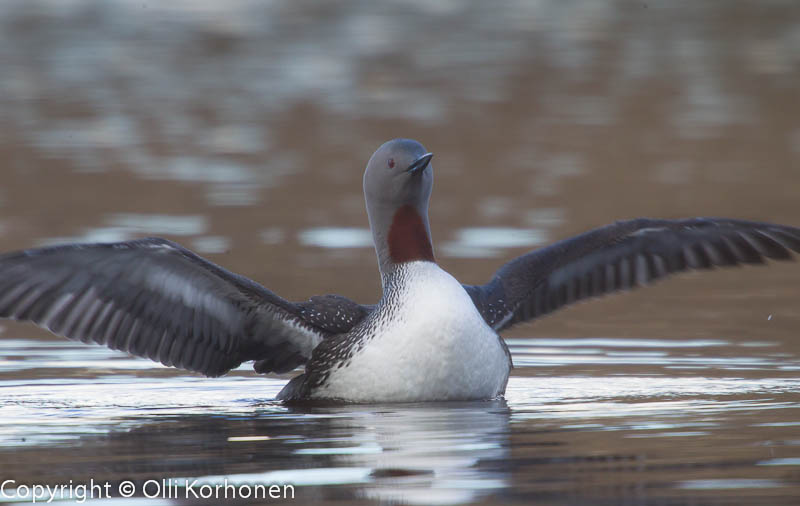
{"x": 622, "y": 256}
{"x": 155, "y": 299}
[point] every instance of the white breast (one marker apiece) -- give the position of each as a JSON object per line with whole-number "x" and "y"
{"x": 430, "y": 343}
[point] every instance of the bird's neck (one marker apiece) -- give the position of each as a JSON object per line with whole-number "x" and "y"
{"x": 403, "y": 237}
{"x": 409, "y": 237}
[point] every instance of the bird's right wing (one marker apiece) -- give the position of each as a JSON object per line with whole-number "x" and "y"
{"x": 621, "y": 256}
{"x": 156, "y": 299}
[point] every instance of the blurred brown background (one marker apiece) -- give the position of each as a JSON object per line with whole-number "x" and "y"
{"x": 241, "y": 130}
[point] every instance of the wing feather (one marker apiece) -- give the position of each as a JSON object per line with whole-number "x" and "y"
{"x": 622, "y": 256}
{"x": 155, "y": 299}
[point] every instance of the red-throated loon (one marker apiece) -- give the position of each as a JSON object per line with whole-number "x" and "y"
{"x": 428, "y": 338}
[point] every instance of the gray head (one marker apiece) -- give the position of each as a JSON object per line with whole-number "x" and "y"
{"x": 397, "y": 187}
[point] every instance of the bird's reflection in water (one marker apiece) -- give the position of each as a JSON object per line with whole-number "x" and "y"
{"x": 442, "y": 453}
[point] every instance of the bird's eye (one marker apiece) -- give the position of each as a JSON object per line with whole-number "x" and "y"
{"x": 391, "y": 163}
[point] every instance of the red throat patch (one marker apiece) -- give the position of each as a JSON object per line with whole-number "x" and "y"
{"x": 408, "y": 240}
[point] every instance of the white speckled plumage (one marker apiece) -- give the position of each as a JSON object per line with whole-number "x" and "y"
{"x": 425, "y": 341}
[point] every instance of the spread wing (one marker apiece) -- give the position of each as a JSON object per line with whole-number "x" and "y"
{"x": 156, "y": 299}
{"x": 621, "y": 256}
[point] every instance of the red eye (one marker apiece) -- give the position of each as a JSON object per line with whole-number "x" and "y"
{"x": 391, "y": 163}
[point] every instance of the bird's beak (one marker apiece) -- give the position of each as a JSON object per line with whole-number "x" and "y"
{"x": 420, "y": 164}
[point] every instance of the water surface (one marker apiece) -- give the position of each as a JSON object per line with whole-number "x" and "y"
{"x": 582, "y": 421}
